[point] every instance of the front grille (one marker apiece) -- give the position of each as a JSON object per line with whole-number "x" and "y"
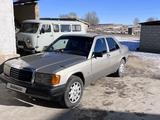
{"x": 23, "y": 75}
{"x": 22, "y": 43}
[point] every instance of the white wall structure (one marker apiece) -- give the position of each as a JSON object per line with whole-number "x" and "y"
{"x": 7, "y": 29}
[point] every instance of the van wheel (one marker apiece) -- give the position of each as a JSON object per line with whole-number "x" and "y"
{"x": 121, "y": 70}
{"x": 73, "y": 92}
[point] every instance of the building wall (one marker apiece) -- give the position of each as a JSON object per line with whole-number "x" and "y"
{"x": 27, "y": 11}
{"x": 150, "y": 38}
{"x": 7, "y": 29}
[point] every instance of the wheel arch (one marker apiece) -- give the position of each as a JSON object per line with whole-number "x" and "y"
{"x": 80, "y": 74}
{"x": 125, "y": 59}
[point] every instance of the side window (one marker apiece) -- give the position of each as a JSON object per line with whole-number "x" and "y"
{"x": 76, "y": 28}
{"x": 47, "y": 28}
{"x": 65, "y": 28}
{"x": 100, "y": 46}
{"x": 112, "y": 44}
{"x": 56, "y": 28}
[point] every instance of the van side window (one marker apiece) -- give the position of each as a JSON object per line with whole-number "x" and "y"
{"x": 76, "y": 28}
{"x": 112, "y": 44}
{"x": 100, "y": 46}
{"x": 65, "y": 28}
{"x": 56, "y": 28}
{"x": 47, "y": 28}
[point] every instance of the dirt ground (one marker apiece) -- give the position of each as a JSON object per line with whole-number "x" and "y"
{"x": 134, "y": 97}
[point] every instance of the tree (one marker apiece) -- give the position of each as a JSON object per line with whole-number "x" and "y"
{"x": 151, "y": 19}
{"x": 69, "y": 15}
{"x": 92, "y": 18}
{"x": 136, "y": 21}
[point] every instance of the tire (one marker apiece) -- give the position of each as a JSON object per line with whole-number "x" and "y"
{"x": 73, "y": 92}
{"x": 121, "y": 70}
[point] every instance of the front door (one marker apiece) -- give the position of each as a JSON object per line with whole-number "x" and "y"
{"x": 45, "y": 37}
{"x": 100, "y": 64}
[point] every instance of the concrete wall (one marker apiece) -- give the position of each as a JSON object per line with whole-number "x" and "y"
{"x": 27, "y": 11}
{"x": 150, "y": 38}
{"x": 7, "y": 29}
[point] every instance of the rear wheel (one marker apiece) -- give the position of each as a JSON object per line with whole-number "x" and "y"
{"x": 121, "y": 70}
{"x": 73, "y": 92}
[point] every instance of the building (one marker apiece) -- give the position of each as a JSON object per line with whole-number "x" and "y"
{"x": 7, "y": 31}
{"x": 7, "y": 23}
{"x": 134, "y": 30}
{"x": 150, "y": 37}
{"x": 25, "y": 9}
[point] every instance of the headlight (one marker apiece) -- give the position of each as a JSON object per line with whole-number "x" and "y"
{"x": 28, "y": 41}
{"x": 6, "y": 69}
{"x": 43, "y": 78}
{"x": 47, "y": 79}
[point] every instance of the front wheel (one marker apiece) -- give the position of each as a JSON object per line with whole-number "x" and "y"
{"x": 73, "y": 92}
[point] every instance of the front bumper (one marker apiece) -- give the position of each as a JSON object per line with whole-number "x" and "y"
{"x": 29, "y": 50}
{"x": 36, "y": 90}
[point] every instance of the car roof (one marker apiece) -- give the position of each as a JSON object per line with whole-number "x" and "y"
{"x": 82, "y": 35}
{"x": 91, "y": 35}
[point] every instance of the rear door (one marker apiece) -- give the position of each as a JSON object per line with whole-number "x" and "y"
{"x": 114, "y": 54}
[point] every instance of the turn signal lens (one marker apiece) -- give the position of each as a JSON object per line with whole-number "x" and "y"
{"x": 55, "y": 79}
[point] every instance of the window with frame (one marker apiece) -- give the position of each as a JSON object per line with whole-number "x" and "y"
{"x": 100, "y": 46}
{"x": 65, "y": 28}
{"x": 46, "y": 28}
{"x": 56, "y": 28}
{"x": 76, "y": 28}
{"x": 112, "y": 44}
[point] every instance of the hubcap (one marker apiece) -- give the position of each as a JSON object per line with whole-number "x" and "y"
{"x": 75, "y": 92}
{"x": 122, "y": 69}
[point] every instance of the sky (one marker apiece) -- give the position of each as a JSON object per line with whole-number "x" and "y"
{"x": 108, "y": 11}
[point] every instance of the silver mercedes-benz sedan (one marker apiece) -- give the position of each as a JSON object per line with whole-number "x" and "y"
{"x": 65, "y": 67}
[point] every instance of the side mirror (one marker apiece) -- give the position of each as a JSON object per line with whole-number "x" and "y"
{"x": 98, "y": 54}
{"x": 45, "y": 48}
{"x": 42, "y": 31}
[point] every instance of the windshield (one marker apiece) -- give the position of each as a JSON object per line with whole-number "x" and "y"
{"x": 72, "y": 45}
{"x": 29, "y": 27}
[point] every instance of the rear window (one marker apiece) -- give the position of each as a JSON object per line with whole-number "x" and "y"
{"x": 65, "y": 28}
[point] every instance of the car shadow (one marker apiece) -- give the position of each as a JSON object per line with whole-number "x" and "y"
{"x": 97, "y": 114}
{"x": 11, "y": 98}
{"x": 40, "y": 102}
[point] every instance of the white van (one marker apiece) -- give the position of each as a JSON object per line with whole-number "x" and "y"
{"x": 34, "y": 35}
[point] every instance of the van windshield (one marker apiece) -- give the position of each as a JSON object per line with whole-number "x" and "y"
{"x": 29, "y": 27}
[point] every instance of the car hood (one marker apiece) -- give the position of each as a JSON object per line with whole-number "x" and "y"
{"x": 47, "y": 62}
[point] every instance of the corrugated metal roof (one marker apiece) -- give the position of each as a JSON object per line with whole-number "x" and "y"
{"x": 151, "y": 23}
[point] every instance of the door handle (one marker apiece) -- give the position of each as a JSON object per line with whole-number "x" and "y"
{"x": 108, "y": 55}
